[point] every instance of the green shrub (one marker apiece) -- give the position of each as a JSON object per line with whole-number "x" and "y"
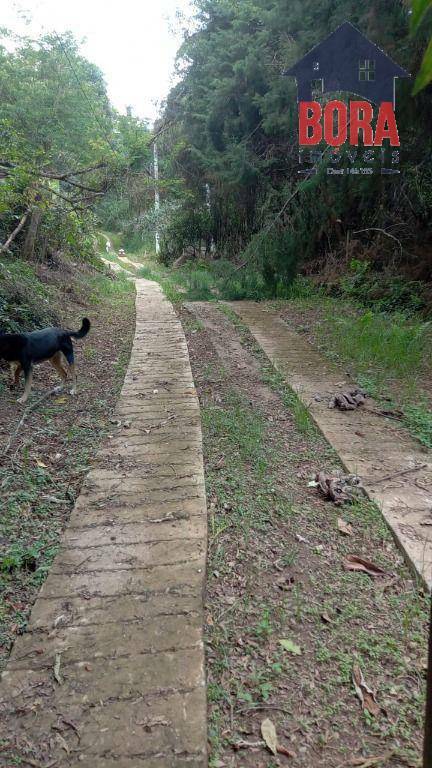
{"x": 24, "y": 300}
{"x": 391, "y": 343}
{"x": 384, "y": 293}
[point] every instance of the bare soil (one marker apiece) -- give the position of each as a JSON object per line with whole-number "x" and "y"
{"x": 275, "y": 573}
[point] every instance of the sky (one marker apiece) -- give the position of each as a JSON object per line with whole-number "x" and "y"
{"x": 133, "y": 42}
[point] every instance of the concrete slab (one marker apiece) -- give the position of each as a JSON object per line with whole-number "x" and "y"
{"x": 111, "y": 668}
{"x": 381, "y": 451}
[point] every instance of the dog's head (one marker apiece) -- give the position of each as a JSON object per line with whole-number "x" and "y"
{"x": 11, "y": 344}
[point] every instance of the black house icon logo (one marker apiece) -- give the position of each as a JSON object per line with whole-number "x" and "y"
{"x": 347, "y": 61}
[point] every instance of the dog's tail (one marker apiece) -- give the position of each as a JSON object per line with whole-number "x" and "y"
{"x": 83, "y": 331}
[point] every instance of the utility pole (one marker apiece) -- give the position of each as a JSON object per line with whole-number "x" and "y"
{"x": 427, "y": 747}
{"x": 208, "y": 204}
{"x": 157, "y": 195}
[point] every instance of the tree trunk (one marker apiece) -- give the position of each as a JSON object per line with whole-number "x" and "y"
{"x": 30, "y": 239}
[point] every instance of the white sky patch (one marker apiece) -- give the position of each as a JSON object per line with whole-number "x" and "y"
{"x": 133, "y": 42}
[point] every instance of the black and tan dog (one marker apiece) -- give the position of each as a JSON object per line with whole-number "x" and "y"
{"x": 24, "y": 350}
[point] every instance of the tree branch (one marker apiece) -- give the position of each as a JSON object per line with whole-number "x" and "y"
{"x": 65, "y": 176}
{"x": 383, "y": 232}
{"x": 16, "y": 232}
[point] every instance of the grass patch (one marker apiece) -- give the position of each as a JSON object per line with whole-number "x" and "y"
{"x": 385, "y": 345}
{"x": 418, "y": 419}
{"x": 114, "y": 288}
{"x": 388, "y": 353}
{"x": 272, "y": 377}
{"x": 237, "y": 430}
{"x": 208, "y": 281}
{"x": 259, "y": 502}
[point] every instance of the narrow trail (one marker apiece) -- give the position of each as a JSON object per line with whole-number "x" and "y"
{"x": 111, "y": 668}
{"x": 368, "y": 444}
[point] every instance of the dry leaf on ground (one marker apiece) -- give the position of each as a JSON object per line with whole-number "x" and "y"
{"x": 338, "y": 487}
{"x": 268, "y": 732}
{"x": 291, "y": 647}
{"x": 371, "y": 762}
{"x": 242, "y": 744}
{"x": 345, "y": 528}
{"x": 56, "y": 671}
{"x": 62, "y": 743}
{"x": 349, "y": 400}
{"x": 365, "y": 694}
{"x": 356, "y": 563}
{"x": 287, "y": 752}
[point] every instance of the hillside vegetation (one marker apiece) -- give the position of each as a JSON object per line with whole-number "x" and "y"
{"x": 229, "y": 140}
{"x": 69, "y": 164}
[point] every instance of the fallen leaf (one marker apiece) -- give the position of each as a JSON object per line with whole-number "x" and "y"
{"x": 237, "y": 745}
{"x": 285, "y": 583}
{"x": 62, "y": 743}
{"x": 221, "y": 463}
{"x": 365, "y": 694}
{"x": 356, "y": 563}
{"x": 326, "y": 618}
{"x": 371, "y": 762}
{"x": 153, "y": 722}
{"x": 72, "y": 725}
{"x": 57, "y": 664}
{"x": 60, "y": 400}
{"x": 61, "y": 620}
{"x": 40, "y": 464}
{"x": 268, "y": 732}
{"x": 345, "y": 528}
{"x": 291, "y": 647}
{"x": 287, "y": 752}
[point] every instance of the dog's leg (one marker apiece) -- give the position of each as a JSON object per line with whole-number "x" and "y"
{"x": 68, "y": 352}
{"x": 56, "y": 363}
{"x": 28, "y": 373}
{"x": 15, "y": 373}
{"x": 72, "y": 369}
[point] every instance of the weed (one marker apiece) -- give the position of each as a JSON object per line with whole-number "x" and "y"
{"x": 115, "y": 288}
{"x": 20, "y": 557}
{"x": 25, "y": 302}
{"x": 264, "y": 627}
{"x": 387, "y": 353}
{"x": 192, "y": 326}
{"x": 257, "y": 508}
{"x": 418, "y": 419}
{"x": 390, "y": 344}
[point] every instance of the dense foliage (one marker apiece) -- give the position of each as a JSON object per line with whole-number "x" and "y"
{"x": 63, "y": 150}
{"x": 231, "y": 123}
